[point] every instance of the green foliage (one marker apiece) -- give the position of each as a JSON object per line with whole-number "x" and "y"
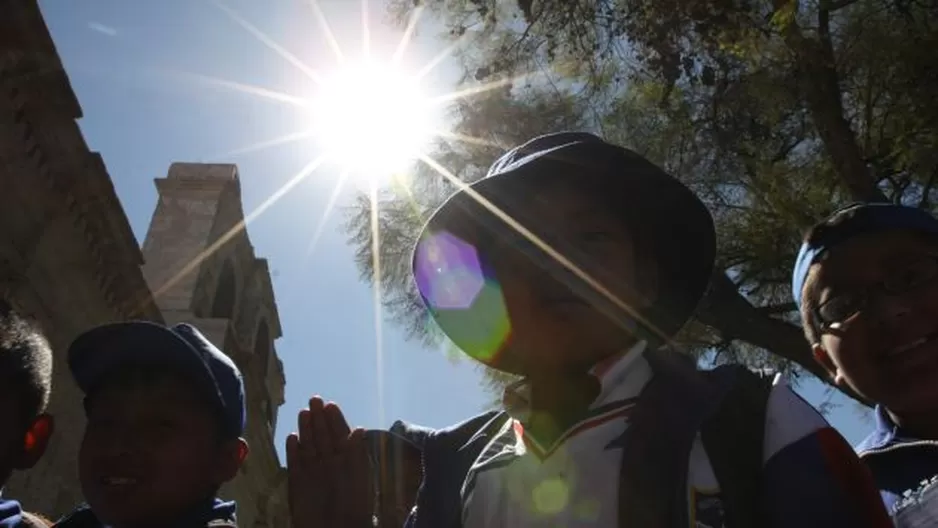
{"x": 773, "y": 111}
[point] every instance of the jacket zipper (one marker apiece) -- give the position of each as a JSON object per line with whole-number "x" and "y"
{"x": 423, "y": 471}
{"x": 896, "y": 447}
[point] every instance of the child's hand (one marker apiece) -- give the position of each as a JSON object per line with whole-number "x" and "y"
{"x": 328, "y": 472}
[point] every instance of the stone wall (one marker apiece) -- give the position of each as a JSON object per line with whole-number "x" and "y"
{"x": 69, "y": 260}
{"x": 67, "y": 256}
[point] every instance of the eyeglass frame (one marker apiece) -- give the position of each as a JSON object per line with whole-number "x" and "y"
{"x": 879, "y": 287}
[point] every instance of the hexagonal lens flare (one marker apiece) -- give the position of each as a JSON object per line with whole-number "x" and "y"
{"x": 448, "y": 271}
{"x": 467, "y": 304}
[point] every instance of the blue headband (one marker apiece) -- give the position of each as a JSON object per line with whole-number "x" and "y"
{"x": 849, "y": 222}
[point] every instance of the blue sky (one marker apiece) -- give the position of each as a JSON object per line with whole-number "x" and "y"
{"x": 128, "y": 61}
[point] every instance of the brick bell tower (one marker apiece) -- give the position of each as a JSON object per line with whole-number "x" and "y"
{"x": 201, "y": 268}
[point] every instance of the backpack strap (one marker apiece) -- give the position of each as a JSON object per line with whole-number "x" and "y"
{"x": 221, "y": 523}
{"x": 733, "y": 438}
{"x": 31, "y": 520}
{"x": 657, "y": 443}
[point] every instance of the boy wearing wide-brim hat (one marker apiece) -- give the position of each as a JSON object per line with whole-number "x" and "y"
{"x": 572, "y": 265}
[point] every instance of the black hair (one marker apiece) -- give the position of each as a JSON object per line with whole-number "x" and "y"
{"x": 136, "y": 374}
{"x": 828, "y": 229}
{"x": 25, "y": 361}
{"x": 809, "y": 307}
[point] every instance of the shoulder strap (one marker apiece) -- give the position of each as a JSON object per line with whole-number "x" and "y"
{"x": 221, "y": 523}
{"x": 658, "y": 441}
{"x": 733, "y": 438}
{"x": 32, "y": 520}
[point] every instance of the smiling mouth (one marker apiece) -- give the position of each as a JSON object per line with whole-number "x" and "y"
{"x": 118, "y": 482}
{"x": 912, "y": 345}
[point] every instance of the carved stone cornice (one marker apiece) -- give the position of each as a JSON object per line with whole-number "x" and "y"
{"x": 32, "y": 75}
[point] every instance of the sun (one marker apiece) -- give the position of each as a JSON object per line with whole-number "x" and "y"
{"x": 371, "y": 119}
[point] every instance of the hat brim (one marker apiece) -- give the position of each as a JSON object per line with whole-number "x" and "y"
{"x": 98, "y": 352}
{"x": 680, "y": 227}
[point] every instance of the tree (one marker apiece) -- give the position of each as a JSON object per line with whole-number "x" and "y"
{"x": 773, "y": 111}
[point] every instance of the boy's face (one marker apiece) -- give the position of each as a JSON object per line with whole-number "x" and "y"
{"x": 152, "y": 451}
{"x": 888, "y": 350}
{"x": 553, "y": 329}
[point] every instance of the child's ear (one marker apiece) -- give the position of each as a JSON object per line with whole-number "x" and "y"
{"x": 35, "y": 441}
{"x": 822, "y": 357}
{"x": 234, "y": 453}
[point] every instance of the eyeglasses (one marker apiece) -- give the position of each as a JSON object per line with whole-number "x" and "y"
{"x": 841, "y": 307}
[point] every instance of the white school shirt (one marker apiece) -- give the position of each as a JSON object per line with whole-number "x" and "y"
{"x": 574, "y": 482}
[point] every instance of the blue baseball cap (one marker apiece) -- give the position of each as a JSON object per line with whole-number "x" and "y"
{"x": 850, "y": 221}
{"x": 453, "y": 283}
{"x": 94, "y": 354}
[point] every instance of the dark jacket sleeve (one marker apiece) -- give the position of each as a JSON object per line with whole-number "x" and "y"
{"x": 447, "y": 456}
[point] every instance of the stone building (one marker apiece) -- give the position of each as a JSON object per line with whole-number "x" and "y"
{"x": 69, "y": 259}
{"x": 201, "y": 267}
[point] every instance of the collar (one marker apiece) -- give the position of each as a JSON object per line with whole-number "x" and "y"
{"x": 219, "y": 512}
{"x": 10, "y": 513}
{"x": 621, "y": 376}
{"x": 214, "y": 513}
{"x": 885, "y": 434}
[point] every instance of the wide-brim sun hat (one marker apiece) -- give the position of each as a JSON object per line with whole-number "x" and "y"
{"x": 463, "y": 297}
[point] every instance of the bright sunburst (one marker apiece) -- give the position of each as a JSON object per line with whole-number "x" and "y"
{"x": 372, "y": 119}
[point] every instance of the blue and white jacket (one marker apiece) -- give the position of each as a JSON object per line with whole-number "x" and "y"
{"x": 898, "y": 461}
{"x": 487, "y": 472}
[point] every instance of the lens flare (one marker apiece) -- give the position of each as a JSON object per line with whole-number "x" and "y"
{"x": 466, "y": 302}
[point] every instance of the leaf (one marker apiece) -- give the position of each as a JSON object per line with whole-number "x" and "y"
{"x": 734, "y": 97}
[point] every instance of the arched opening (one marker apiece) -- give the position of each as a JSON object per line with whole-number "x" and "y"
{"x": 225, "y": 292}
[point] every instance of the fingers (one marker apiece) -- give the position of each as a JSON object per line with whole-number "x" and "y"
{"x": 306, "y": 510}
{"x": 304, "y": 427}
{"x": 328, "y": 469}
{"x": 324, "y": 442}
{"x": 329, "y": 429}
{"x": 293, "y": 450}
{"x": 336, "y": 421}
{"x": 296, "y": 470}
{"x": 356, "y": 498}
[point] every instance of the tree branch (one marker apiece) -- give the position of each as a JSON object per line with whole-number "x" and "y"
{"x": 725, "y": 309}
{"x": 830, "y": 7}
{"x": 821, "y": 87}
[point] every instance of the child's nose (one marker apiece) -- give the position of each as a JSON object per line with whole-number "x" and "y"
{"x": 124, "y": 440}
{"x": 891, "y": 310}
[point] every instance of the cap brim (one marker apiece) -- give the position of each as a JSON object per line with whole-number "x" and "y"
{"x": 101, "y": 350}
{"x": 682, "y": 229}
